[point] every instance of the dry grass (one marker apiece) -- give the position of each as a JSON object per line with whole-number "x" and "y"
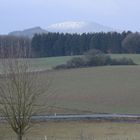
{"x": 74, "y": 130}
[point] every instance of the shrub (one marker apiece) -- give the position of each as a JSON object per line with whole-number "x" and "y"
{"x": 94, "y": 58}
{"x": 98, "y": 60}
{"x": 76, "y": 62}
{"x": 122, "y": 61}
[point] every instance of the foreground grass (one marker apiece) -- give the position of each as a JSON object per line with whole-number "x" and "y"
{"x": 75, "y": 131}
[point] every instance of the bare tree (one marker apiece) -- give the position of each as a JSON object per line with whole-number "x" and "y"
{"x": 19, "y": 91}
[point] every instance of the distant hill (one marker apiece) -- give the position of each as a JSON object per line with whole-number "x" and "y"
{"x": 79, "y": 27}
{"x": 28, "y": 32}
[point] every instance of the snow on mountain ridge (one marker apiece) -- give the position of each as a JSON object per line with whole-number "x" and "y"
{"x": 78, "y": 27}
{"x": 69, "y": 24}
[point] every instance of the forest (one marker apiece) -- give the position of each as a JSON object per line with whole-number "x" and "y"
{"x": 60, "y": 44}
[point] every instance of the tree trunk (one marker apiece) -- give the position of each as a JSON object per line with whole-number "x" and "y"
{"x": 19, "y": 136}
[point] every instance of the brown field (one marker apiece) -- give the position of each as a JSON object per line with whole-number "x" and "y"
{"x": 77, "y": 131}
{"x": 111, "y": 89}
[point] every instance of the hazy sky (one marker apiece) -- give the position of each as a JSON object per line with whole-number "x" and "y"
{"x": 21, "y": 14}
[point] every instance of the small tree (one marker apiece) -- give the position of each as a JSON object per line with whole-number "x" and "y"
{"x": 19, "y": 91}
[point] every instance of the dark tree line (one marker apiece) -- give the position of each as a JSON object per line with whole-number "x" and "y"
{"x": 59, "y": 44}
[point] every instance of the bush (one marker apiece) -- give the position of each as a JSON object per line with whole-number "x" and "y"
{"x": 98, "y": 60}
{"x": 94, "y": 58}
{"x": 122, "y": 61}
{"x": 76, "y": 62}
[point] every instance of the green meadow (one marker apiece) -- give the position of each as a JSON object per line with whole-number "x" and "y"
{"x": 50, "y": 62}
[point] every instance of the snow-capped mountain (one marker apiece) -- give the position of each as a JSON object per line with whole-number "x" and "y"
{"x": 78, "y": 27}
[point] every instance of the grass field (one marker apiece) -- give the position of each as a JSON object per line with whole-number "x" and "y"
{"x": 47, "y": 63}
{"x": 77, "y": 131}
{"x": 107, "y": 89}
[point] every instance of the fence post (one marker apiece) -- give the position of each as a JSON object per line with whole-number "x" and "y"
{"x": 45, "y": 137}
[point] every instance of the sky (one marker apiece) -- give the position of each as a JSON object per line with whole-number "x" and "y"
{"x": 22, "y": 14}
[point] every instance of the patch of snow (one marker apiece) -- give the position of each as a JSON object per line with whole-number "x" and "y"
{"x": 78, "y": 27}
{"x": 68, "y": 25}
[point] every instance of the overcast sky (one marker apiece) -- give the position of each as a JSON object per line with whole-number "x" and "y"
{"x": 21, "y": 14}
